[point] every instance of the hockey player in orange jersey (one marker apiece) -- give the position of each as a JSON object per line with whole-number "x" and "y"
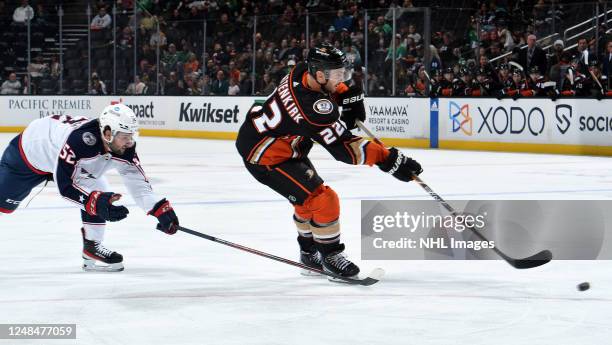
{"x": 276, "y": 137}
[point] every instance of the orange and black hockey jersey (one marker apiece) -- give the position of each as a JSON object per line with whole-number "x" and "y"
{"x": 292, "y": 118}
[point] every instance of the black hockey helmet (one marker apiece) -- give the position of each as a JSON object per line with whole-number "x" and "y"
{"x": 325, "y": 57}
{"x": 593, "y": 63}
{"x": 534, "y": 70}
{"x": 504, "y": 66}
{"x": 464, "y": 72}
{"x": 449, "y": 70}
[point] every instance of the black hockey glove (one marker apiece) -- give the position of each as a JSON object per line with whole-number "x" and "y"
{"x": 400, "y": 166}
{"x": 101, "y": 204}
{"x": 168, "y": 221}
{"x": 353, "y": 109}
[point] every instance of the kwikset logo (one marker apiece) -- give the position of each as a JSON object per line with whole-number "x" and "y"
{"x": 207, "y": 113}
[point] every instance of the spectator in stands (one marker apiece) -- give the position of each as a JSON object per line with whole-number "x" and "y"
{"x": 55, "y": 69}
{"x": 294, "y": 52}
{"x": 234, "y": 88}
{"x": 159, "y": 37}
{"x": 352, "y": 54}
{"x": 23, "y": 13}
{"x": 11, "y": 86}
{"x": 37, "y": 69}
{"x": 246, "y": 85}
{"x": 97, "y": 86}
{"x": 137, "y": 87}
{"x": 170, "y": 58}
{"x": 126, "y": 40}
{"x": 607, "y": 61}
{"x": 412, "y": 33}
{"x": 400, "y": 49}
{"x": 224, "y": 28}
{"x": 343, "y": 21}
{"x": 192, "y": 86}
{"x": 174, "y": 86}
{"x": 192, "y": 64}
{"x": 269, "y": 85}
{"x": 27, "y": 90}
{"x": 219, "y": 86}
{"x": 101, "y": 21}
{"x": 233, "y": 71}
{"x": 581, "y": 51}
{"x": 205, "y": 85}
{"x": 383, "y": 27}
{"x": 533, "y": 56}
{"x": 555, "y": 57}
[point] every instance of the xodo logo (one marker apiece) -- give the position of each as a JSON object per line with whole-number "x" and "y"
{"x": 514, "y": 121}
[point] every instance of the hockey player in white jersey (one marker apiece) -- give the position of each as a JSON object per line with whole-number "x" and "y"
{"x": 75, "y": 153}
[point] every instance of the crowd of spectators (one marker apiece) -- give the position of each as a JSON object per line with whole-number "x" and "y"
{"x": 208, "y": 48}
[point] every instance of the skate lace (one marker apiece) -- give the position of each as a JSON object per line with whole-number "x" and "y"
{"x": 338, "y": 260}
{"x": 103, "y": 250}
{"x": 316, "y": 257}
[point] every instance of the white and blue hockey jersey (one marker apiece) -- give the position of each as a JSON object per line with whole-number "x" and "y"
{"x": 72, "y": 150}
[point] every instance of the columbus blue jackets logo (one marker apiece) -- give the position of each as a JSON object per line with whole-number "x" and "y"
{"x": 323, "y": 106}
{"x": 89, "y": 139}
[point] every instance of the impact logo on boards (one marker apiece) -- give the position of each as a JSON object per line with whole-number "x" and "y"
{"x": 460, "y": 117}
{"x": 563, "y": 113}
{"x": 140, "y": 110}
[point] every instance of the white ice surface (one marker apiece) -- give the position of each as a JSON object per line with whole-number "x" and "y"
{"x": 186, "y": 290}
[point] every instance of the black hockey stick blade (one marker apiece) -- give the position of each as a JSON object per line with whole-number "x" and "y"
{"x": 371, "y": 279}
{"x": 535, "y": 260}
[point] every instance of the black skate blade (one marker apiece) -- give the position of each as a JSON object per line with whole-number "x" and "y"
{"x": 372, "y": 278}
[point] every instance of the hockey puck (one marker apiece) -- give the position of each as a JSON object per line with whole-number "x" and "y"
{"x": 583, "y": 286}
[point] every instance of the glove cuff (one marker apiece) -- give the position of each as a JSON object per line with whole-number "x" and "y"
{"x": 92, "y": 202}
{"x": 160, "y": 208}
{"x": 388, "y": 163}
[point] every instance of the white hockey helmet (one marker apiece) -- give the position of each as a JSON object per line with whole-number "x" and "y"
{"x": 119, "y": 118}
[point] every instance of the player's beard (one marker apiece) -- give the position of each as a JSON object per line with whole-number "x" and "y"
{"x": 116, "y": 149}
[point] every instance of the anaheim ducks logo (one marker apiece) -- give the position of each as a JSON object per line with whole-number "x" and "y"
{"x": 323, "y": 106}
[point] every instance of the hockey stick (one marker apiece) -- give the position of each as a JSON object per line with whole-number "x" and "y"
{"x": 519, "y": 67}
{"x": 597, "y": 81}
{"x": 535, "y": 260}
{"x": 371, "y": 279}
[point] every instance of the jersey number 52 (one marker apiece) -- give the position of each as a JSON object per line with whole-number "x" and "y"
{"x": 67, "y": 154}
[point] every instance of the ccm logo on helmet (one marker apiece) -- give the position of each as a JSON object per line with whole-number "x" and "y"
{"x": 353, "y": 99}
